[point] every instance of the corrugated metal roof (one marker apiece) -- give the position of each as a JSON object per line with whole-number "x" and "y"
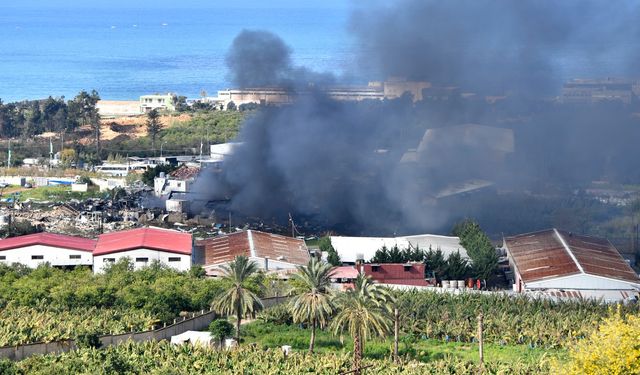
{"x": 148, "y": 238}
{"x": 225, "y": 248}
{"x": 49, "y": 239}
{"x": 553, "y": 253}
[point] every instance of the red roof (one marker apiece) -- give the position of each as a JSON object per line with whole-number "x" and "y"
{"x": 555, "y": 253}
{"x": 49, "y": 239}
{"x": 344, "y": 272}
{"x": 397, "y": 273}
{"x": 252, "y": 243}
{"x": 167, "y": 240}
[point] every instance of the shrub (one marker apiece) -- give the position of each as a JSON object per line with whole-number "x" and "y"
{"x": 220, "y": 329}
{"x": 279, "y": 314}
{"x": 88, "y": 340}
{"x": 612, "y": 349}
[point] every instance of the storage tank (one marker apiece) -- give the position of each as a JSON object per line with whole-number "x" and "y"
{"x": 445, "y": 284}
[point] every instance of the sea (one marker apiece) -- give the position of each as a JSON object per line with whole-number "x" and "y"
{"x": 124, "y": 49}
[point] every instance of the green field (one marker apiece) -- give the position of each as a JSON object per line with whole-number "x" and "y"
{"x": 57, "y": 193}
{"x": 425, "y": 350}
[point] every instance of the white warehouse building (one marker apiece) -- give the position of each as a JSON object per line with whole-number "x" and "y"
{"x": 143, "y": 246}
{"x": 351, "y": 249}
{"x": 56, "y": 249}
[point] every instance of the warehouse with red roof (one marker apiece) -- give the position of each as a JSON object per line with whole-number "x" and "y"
{"x": 271, "y": 252}
{"x": 563, "y": 264}
{"x": 144, "y": 246}
{"x": 58, "y": 250}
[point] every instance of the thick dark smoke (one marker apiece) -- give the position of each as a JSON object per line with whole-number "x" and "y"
{"x": 339, "y": 163}
{"x": 496, "y": 46}
{"x": 261, "y": 59}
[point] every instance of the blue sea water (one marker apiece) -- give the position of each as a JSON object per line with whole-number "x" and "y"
{"x": 124, "y": 49}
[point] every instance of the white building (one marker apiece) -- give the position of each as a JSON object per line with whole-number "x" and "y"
{"x": 351, "y": 249}
{"x": 220, "y": 151}
{"x": 562, "y": 264}
{"x": 56, "y": 249}
{"x": 144, "y": 246}
{"x": 178, "y": 181}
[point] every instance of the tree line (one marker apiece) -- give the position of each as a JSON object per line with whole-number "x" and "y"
{"x": 32, "y": 117}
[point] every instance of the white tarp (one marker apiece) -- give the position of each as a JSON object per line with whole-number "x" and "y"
{"x": 192, "y": 337}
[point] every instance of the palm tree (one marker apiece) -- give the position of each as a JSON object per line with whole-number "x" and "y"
{"x": 313, "y": 300}
{"x": 238, "y": 299}
{"x": 364, "y": 311}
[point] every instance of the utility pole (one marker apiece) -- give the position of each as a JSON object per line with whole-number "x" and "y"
{"x": 293, "y": 227}
{"x": 9, "y": 155}
{"x": 481, "y": 342}
{"x": 229, "y": 221}
{"x": 396, "y": 331}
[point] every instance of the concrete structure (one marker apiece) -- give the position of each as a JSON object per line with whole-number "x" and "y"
{"x": 160, "y": 102}
{"x": 56, "y": 249}
{"x": 220, "y": 151}
{"x": 143, "y": 246}
{"x": 272, "y": 252}
{"x": 409, "y": 274}
{"x": 180, "y": 180}
{"x": 122, "y": 169}
{"x": 563, "y": 264}
{"x": 599, "y": 90}
{"x": 351, "y": 249}
{"x": 390, "y": 89}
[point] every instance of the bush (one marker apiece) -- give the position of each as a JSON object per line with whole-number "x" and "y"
{"x": 612, "y": 349}
{"x": 279, "y": 314}
{"x": 220, "y": 329}
{"x": 88, "y": 340}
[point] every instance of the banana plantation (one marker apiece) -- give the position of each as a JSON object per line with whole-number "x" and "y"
{"x": 163, "y": 358}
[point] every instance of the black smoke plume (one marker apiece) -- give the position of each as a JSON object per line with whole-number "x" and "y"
{"x": 346, "y": 165}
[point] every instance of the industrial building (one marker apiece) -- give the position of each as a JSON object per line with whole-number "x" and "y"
{"x": 352, "y": 249}
{"x": 599, "y": 90}
{"x": 390, "y": 89}
{"x": 392, "y": 274}
{"x": 405, "y": 274}
{"x": 272, "y": 252}
{"x": 58, "y": 250}
{"x": 562, "y": 264}
{"x": 144, "y": 246}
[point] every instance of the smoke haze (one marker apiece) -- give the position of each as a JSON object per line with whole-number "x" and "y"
{"x": 339, "y": 163}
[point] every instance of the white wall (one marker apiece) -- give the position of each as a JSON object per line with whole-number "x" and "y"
{"x": 274, "y": 265}
{"x": 183, "y": 265}
{"x": 582, "y": 281}
{"x": 53, "y": 255}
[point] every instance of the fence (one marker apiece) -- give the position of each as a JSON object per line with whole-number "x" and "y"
{"x": 197, "y": 322}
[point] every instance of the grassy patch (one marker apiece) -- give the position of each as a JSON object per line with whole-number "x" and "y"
{"x": 58, "y": 193}
{"x": 425, "y": 350}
